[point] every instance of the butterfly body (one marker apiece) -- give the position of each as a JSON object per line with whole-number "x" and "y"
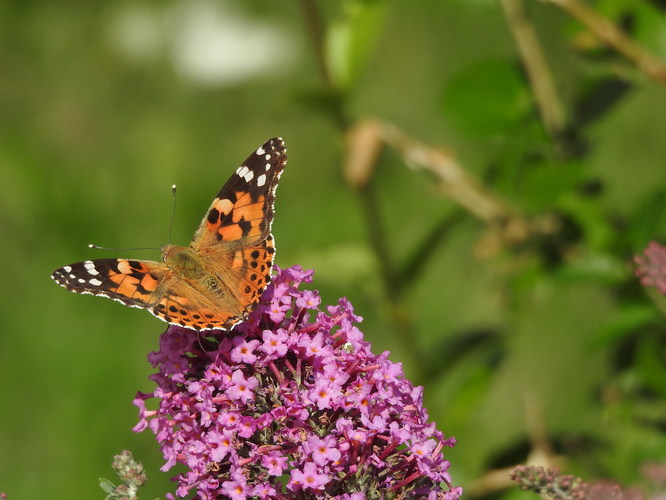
{"x": 216, "y": 281}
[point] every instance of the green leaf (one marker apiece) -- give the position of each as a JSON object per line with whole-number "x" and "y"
{"x": 592, "y": 220}
{"x": 487, "y": 97}
{"x": 108, "y": 487}
{"x": 624, "y": 322}
{"x": 352, "y": 39}
{"x": 645, "y": 220}
{"x": 651, "y": 365}
{"x": 542, "y": 185}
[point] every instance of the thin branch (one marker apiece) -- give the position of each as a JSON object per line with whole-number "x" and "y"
{"x": 538, "y": 72}
{"x": 315, "y": 28}
{"x": 541, "y": 454}
{"x": 316, "y": 31}
{"x": 612, "y": 35}
{"x": 379, "y": 242}
{"x": 365, "y": 142}
{"x": 453, "y": 179}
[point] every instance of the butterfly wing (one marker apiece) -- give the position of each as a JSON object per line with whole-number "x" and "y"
{"x": 242, "y": 213}
{"x": 188, "y": 306}
{"x": 234, "y": 239}
{"x": 135, "y": 283}
{"x": 147, "y": 285}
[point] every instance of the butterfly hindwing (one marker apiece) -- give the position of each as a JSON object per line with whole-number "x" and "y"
{"x": 185, "y": 305}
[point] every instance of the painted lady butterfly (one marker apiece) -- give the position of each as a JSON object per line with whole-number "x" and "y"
{"x": 216, "y": 281}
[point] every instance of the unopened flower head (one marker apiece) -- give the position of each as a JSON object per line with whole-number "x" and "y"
{"x": 651, "y": 267}
{"x": 292, "y": 404}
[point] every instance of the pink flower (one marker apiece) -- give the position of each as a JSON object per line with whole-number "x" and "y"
{"x": 236, "y": 489}
{"x": 323, "y": 392}
{"x": 244, "y": 350}
{"x": 219, "y": 444}
{"x": 242, "y": 387}
{"x": 323, "y": 450}
{"x": 315, "y": 346}
{"x": 263, "y": 491}
{"x": 308, "y": 478}
{"x": 274, "y": 343}
{"x": 424, "y": 449}
{"x": 309, "y": 299}
{"x": 274, "y": 463}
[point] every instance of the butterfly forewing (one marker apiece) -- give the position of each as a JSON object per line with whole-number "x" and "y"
{"x": 242, "y": 212}
{"x": 135, "y": 283}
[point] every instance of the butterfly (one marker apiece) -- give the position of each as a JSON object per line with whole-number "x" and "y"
{"x": 216, "y": 281}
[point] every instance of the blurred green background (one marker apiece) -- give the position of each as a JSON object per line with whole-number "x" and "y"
{"x": 526, "y": 327}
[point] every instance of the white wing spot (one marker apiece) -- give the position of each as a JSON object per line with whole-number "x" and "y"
{"x": 95, "y": 282}
{"x": 81, "y": 280}
{"x": 67, "y": 269}
{"x": 260, "y": 151}
{"x": 90, "y": 267}
{"x": 268, "y": 157}
{"x": 261, "y": 180}
{"x": 72, "y": 276}
{"x": 245, "y": 173}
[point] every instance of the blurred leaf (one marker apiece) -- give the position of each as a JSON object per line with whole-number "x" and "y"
{"x": 472, "y": 386}
{"x": 645, "y": 220}
{"x": 352, "y": 39}
{"x": 484, "y": 346}
{"x": 623, "y": 322}
{"x": 650, "y": 363}
{"x": 487, "y": 97}
{"x": 597, "y": 98}
{"x": 591, "y": 218}
{"x": 542, "y": 185}
{"x": 594, "y": 266}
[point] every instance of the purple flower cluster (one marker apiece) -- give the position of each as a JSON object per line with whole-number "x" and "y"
{"x": 292, "y": 404}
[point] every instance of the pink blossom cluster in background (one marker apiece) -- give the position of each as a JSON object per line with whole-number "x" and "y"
{"x": 651, "y": 267}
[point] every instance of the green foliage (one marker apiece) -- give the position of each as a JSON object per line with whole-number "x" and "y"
{"x": 527, "y": 319}
{"x": 488, "y": 97}
{"x": 351, "y": 40}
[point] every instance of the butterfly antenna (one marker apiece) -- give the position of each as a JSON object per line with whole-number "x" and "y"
{"x": 173, "y": 214}
{"x": 97, "y": 247}
{"x": 173, "y": 211}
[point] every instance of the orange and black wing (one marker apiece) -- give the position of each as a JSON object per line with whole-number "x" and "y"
{"x": 135, "y": 283}
{"x": 242, "y": 213}
{"x": 234, "y": 238}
